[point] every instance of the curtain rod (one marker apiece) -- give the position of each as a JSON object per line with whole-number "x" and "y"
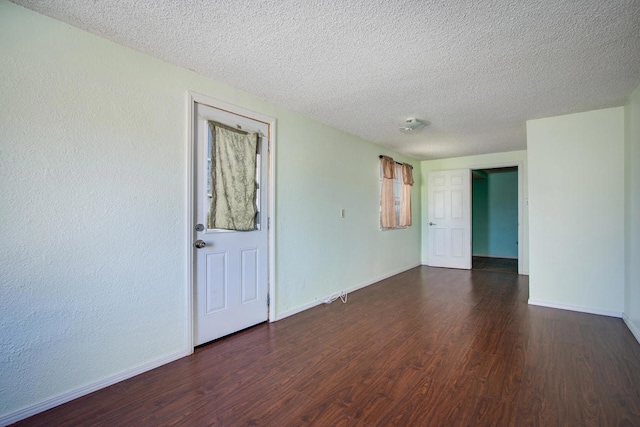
{"x": 381, "y": 156}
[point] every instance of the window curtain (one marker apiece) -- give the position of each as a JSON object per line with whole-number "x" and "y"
{"x": 405, "y": 199}
{"x": 387, "y": 201}
{"x": 232, "y": 178}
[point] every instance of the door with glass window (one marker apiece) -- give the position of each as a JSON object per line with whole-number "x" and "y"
{"x": 231, "y": 232}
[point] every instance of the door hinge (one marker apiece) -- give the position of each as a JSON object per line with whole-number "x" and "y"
{"x": 269, "y": 223}
{"x": 268, "y": 299}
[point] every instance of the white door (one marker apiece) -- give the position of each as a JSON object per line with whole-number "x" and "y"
{"x": 449, "y": 224}
{"x": 231, "y": 266}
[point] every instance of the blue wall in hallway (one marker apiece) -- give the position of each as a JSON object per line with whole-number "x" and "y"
{"x": 495, "y": 215}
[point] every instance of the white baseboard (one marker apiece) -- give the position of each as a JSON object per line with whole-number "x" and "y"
{"x": 30, "y": 410}
{"x": 588, "y": 310}
{"x": 321, "y": 300}
{"x": 632, "y": 326}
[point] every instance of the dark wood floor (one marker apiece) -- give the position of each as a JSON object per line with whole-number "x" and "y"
{"x": 429, "y": 347}
{"x": 498, "y": 265}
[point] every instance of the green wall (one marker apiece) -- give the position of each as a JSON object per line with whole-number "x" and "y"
{"x": 577, "y": 211}
{"x": 632, "y": 213}
{"x": 94, "y": 261}
{"x": 495, "y": 215}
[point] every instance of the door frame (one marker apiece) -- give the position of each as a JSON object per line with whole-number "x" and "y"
{"x": 519, "y": 165}
{"x": 194, "y": 98}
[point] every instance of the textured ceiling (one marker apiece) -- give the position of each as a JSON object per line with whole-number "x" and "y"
{"x": 476, "y": 70}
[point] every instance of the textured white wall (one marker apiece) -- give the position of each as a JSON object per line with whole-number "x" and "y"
{"x": 92, "y": 182}
{"x": 632, "y": 213}
{"x": 576, "y": 209}
{"x": 480, "y": 161}
{"x": 93, "y": 234}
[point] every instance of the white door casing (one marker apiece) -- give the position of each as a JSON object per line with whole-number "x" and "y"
{"x": 449, "y": 219}
{"x": 232, "y": 270}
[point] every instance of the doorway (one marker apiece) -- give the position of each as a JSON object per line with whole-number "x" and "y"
{"x": 495, "y": 212}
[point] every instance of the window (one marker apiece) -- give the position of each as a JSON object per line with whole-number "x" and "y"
{"x": 396, "y": 180}
{"x": 233, "y": 163}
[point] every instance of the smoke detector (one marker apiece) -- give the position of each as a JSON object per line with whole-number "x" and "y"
{"x": 412, "y": 124}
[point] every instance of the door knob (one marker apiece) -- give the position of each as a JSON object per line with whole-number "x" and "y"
{"x": 199, "y": 244}
{"x": 432, "y": 223}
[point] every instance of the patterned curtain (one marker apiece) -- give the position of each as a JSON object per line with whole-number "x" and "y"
{"x": 405, "y": 198}
{"x": 232, "y": 178}
{"x": 387, "y": 201}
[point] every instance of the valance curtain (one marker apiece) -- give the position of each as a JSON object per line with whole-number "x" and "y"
{"x": 405, "y": 199}
{"x": 232, "y": 178}
{"x": 387, "y": 201}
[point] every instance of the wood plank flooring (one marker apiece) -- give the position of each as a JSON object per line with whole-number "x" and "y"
{"x": 498, "y": 265}
{"x": 428, "y": 347}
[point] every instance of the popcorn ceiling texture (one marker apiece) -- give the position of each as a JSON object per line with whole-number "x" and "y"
{"x": 476, "y": 70}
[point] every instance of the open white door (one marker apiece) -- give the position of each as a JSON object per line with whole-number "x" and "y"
{"x": 231, "y": 266}
{"x": 449, "y": 223}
